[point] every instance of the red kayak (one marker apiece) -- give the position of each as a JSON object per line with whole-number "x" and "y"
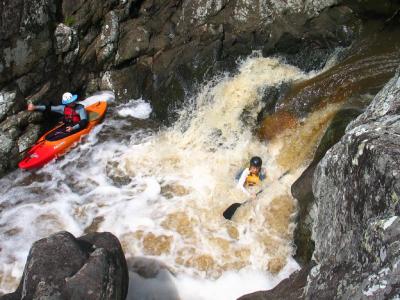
{"x": 44, "y": 150}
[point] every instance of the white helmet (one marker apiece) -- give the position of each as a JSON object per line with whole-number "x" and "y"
{"x": 68, "y": 98}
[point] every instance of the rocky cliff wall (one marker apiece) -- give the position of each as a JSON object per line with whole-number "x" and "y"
{"x": 356, "y": 214}
{"x": 357, "y": 188}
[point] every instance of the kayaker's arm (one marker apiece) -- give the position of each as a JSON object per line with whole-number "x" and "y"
{"x": 54, "y": 108}
{"x": 84, "y": 118}
{"x": 242, "y": 180}
{"x": 263, "y": 174}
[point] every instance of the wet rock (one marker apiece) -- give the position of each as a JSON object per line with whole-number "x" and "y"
{"x": 197, "y": 13}
{"x": 127, "y": 83}
{"x": 367, "y": 8}
{"x": 356, "y": 185}
{"x": 20, "y": 120}
{"x": 13, "y": 123}
{"x": 8, "y": 153}
{"x": 67, "y": 43}
{"x": 23, "y": 55}
{"x": 28, "y": 138}
{"x": 65, "y": 39}
{"x": 108, "y": 37}
{"x": 142, "y": 269}
{"x": 11, "y": 101}
{"x": 290, "y": 288}
{"x": 134, "y": 41}
{"x": 22, "y": 52}
{"x": 310, "y": 42}
{"x": 71, "y": 6}
{"x": 63, "y": 267}
{"x": 302, "y": 187}
{"x": 355, "y": 219}
{"x": 10, "y": 14}
{"x": 41, "y": 94}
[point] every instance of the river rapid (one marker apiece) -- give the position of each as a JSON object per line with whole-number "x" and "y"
{"x": 162, "y": 190}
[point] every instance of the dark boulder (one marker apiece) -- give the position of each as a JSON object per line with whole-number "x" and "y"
{"x": 374, "y": 9}
{"x": 291, "y": 288}
{"x": 63, "y": 267}
{"x": 308, "y": 42}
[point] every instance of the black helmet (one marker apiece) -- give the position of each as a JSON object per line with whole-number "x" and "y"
{"x": 256, "y": 161}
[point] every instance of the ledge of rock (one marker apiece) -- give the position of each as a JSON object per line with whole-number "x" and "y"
{"x": 63, "y": 267}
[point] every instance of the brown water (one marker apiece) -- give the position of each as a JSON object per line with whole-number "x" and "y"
{"x": 362, "y": 69}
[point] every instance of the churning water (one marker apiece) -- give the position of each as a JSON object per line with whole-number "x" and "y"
{"x": 162, "y": 192}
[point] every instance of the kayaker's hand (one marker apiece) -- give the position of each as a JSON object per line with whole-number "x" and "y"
{"x": 31, "y": 107}
{"x": 68, "y": 129}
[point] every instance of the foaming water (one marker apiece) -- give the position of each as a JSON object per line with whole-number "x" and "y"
{"x": 139, "y": 109}
{"x": 162, "y": 193}
{"x": 194, "y": 164}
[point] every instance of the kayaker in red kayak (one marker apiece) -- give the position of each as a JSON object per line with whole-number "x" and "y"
{"x": 75, "y": 116}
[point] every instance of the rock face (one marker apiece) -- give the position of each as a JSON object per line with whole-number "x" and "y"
{"x": 302, "y": 188}
{"x": 291, "y": 288}
{"x": 15, "y": 134}
{"x": 63, "y": 267}
{"x": 357, "y": 187}
{"x": 356, "y": 224}
{"x": 157, "y": 49}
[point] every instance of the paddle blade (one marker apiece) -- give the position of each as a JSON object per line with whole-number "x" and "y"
{"x": 230, "y": 211}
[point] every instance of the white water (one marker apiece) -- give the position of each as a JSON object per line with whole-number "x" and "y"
{"x": 162, "y": 193}
{"x": 138, "y": 109}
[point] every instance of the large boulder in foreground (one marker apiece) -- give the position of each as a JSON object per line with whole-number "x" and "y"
{"x": 63, "y": 267}
{"x": 356, "y": 224}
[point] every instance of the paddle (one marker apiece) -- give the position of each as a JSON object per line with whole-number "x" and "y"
{"x": 26, "y": 149}
{"x": 230, "y": 211}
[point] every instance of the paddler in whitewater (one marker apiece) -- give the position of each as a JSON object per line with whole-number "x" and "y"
{"x": 75, "y": 116}
{"x": 250, "y": 179}
{"x": 249, "y": 182}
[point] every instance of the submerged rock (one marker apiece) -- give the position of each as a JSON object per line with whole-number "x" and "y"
{"x": 63, "y": 267}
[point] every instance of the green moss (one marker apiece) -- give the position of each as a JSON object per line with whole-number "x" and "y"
{"x": 395, "y": 198}
{"x": 69, "y": 21}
